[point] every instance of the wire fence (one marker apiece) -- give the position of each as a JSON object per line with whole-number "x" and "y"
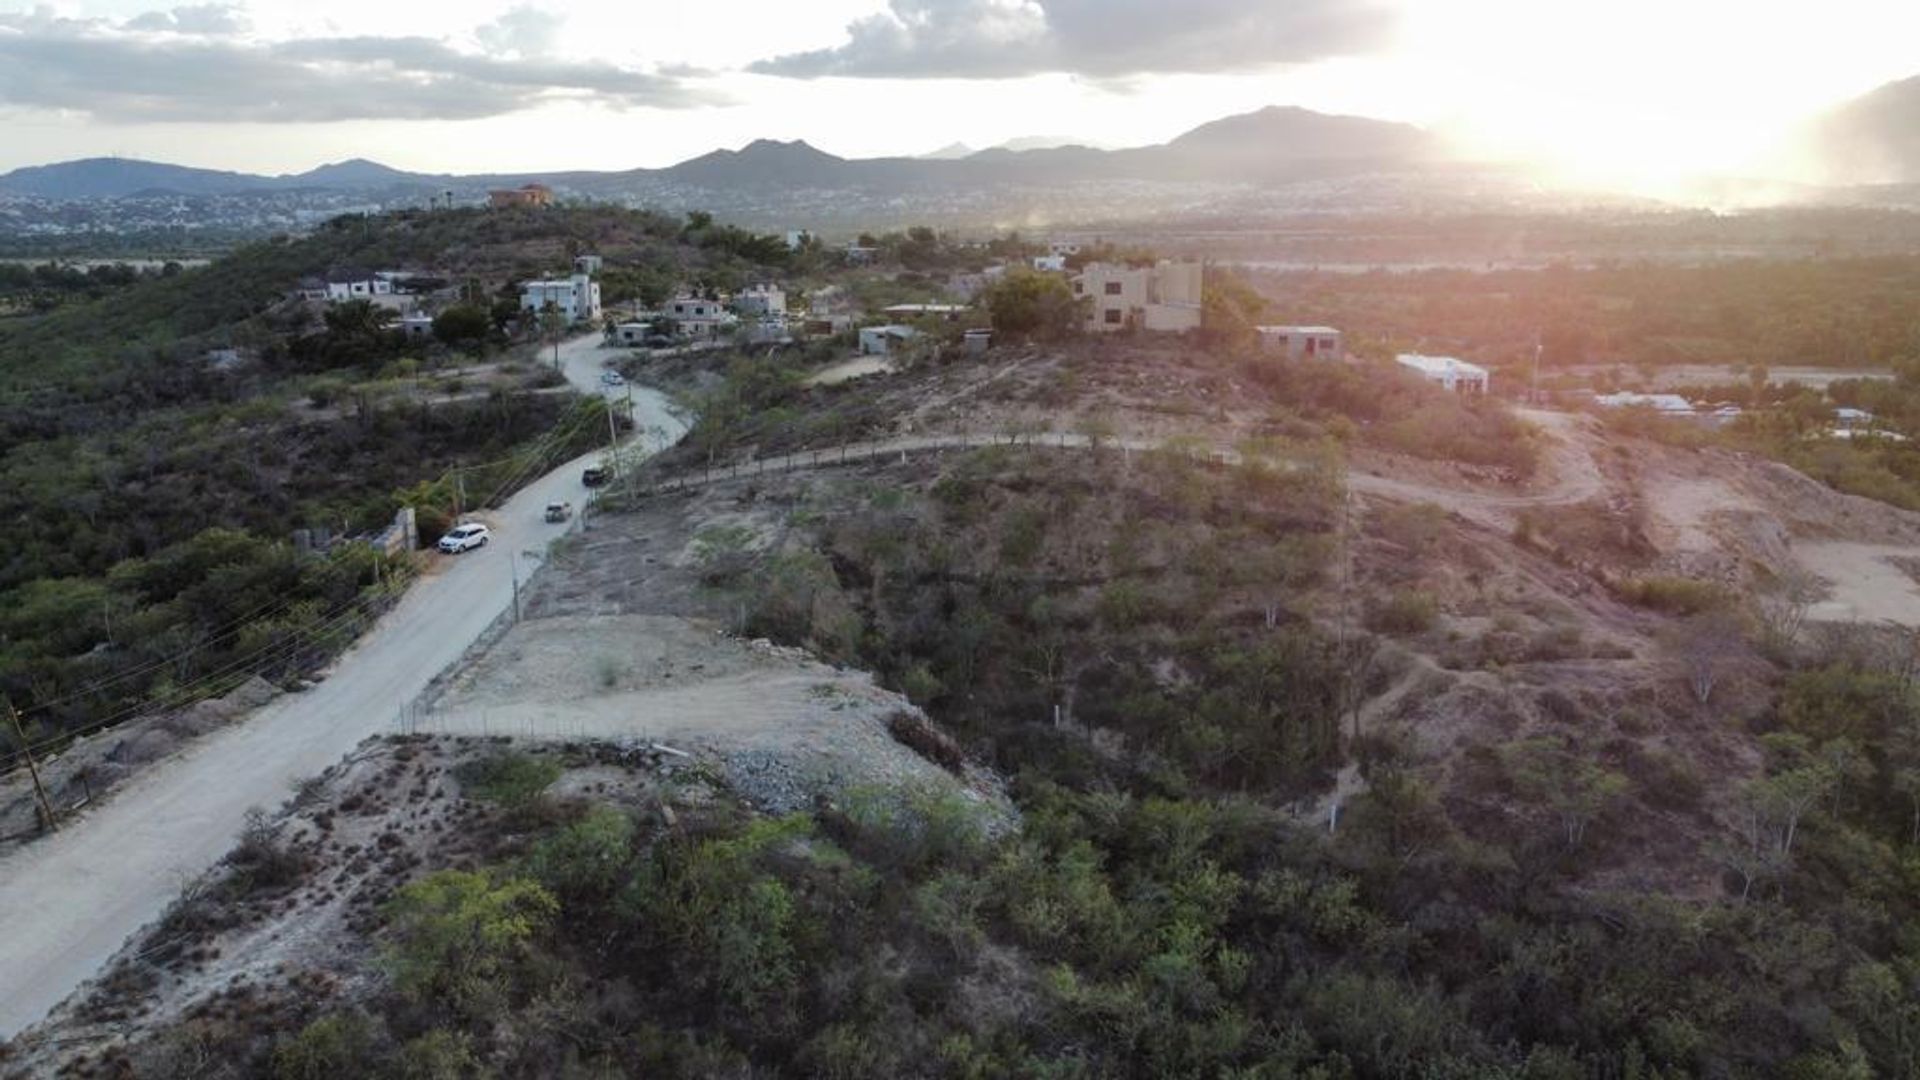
{"x": 413, "y": 716}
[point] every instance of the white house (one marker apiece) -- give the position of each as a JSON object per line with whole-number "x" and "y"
{"x": 1056, "y": 264}
{"x": 344, "y": 285}
{"x": 699, "y": 317}
{"x": 882, "y": 340}
{"x": 761, "y": 299}
{"x": 1452, "y": 374}
{"x": 577, "y": 297}
{"x": 416, "y": 325}
{"x": 1303, "y": 342}
{"x": 1164, "y": 298}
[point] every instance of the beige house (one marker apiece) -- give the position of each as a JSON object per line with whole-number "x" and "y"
{"x": 1303, "y": 342}
{"x": 1164, "y": 298}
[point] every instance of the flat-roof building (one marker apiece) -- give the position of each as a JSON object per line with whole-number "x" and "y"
{"x": 1303, "y": 342}
{"x": 1452, "y": 374}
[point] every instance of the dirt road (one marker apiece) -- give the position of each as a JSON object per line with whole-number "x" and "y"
{"x": 1571, "y": 474}
{"x": 71, "y": 899}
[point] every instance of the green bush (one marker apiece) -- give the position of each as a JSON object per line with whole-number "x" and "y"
{"x": 459, "y": 937}
{"x": 1403, "y": 613}
{"x": 1674, "y": 595}
{"x": 511, "y": 779}
{"x": 329, "y": 1048}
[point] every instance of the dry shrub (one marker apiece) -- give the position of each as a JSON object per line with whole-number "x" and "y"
{"x": 918, "y": 734}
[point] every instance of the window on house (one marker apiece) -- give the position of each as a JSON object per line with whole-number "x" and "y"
{"x": 1114, "y": 316}
{"x": 1113, "y": 288}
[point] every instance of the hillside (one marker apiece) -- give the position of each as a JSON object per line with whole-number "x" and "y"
{"x": 151, "y": 488}
{"x": 1874, "y": 139}
{"x": 1349, "y": 730}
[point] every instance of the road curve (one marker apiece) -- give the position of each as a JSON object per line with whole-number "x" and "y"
{"x": 71, "y": 899}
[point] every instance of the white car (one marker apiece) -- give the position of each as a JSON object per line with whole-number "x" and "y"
{"x": 612, "y": 378}
{"x": 465, "y": 538}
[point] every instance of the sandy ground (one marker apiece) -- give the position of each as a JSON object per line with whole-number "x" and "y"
{"x": 846, "y": 370}
{"x": 782, "y": 726}
{"x": 74, "y": 897}
{"x": 1865, "y": 582}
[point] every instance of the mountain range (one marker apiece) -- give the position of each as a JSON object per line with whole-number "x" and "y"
{"x": 1273, "y": 144}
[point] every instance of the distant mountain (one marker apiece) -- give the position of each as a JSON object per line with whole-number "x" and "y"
{"x": 794, "y": 184}
{"x": 1276, "y": 135}
{"x": 761, "y": 163}
{"x": 950, "y": 152}
{"x": 1046, "y": 142}
{"x": 1873, "y": 139}
{"x": 1240, "y": 148}
{"x": 357, "y": 173}
{"x": 120, "y": 178}
{"x": 116, "y": 178}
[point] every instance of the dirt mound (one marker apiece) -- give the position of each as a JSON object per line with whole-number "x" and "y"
{"x": 783, "y": 727}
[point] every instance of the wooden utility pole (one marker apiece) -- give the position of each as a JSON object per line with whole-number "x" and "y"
{"x": 26, "y": 748}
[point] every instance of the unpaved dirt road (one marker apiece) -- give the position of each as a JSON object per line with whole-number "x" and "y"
{"x": 72, "y": 898}
{"x": 1572, "y": 475}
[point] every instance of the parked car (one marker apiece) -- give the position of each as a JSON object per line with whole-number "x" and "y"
{"x": 612, "y": 378}
{"x": 559, "y": 511}
{"x": 594, "y": 475}
{"x": 465, "y": 538}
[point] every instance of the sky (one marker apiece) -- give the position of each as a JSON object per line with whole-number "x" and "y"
{"x": 1623, "y": 93}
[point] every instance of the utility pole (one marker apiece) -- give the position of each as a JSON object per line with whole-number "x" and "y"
{"x": 513, "y": 561}
{"x": 26, "y": 748}
{"x": 613, "y": 438}
{"x": 1533, "y": 393}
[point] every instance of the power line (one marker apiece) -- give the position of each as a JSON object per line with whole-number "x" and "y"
{"x": 206, "y": 685}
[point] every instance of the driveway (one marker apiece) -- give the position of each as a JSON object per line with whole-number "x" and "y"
{"x": 71, "y": 899}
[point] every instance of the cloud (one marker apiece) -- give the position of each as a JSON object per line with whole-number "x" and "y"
{"x": 212, "y": 20}
{"x": 522, "y": 31}
{"x": 138, "y": 74}
{"x": 1102, "y": 39}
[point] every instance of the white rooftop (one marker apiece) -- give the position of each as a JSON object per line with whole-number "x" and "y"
{"x": 1296, "y": 329}
{"x": 1439, "y": 365}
